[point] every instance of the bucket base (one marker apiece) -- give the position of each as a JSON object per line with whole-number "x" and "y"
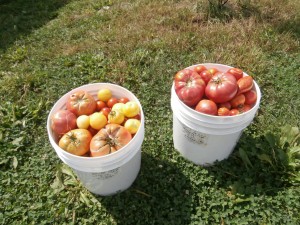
{"x": 113, "y": 181}
{"x": 199, "y": 148}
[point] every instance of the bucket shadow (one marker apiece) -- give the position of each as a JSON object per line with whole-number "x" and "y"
{"x": 251, "y": 169}
{"x": 19, "y": 18}
{"x": 159, "y": 194}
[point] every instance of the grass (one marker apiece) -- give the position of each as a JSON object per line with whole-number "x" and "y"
{"x": 48, "y": 48}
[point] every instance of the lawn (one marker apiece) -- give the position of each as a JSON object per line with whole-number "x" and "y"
{"x": 50, "y": 47}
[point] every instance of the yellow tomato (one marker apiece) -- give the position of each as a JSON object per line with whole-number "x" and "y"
{"x": 97, "y": 120}
{"x": 83, "y": 122}
{"x": 118, "y": 107}
{"x": 131, "y": 109}
{"x": 116, "y": 117}
{"x": 132, "y": 125}
{"x": 104, "y": 94}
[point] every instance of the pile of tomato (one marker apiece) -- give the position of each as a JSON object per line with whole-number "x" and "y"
{"x": 214, "y": 92}
{"x": 98, "y": 126}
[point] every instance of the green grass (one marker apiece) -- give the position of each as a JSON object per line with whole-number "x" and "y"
{"x": 49, "y": 47}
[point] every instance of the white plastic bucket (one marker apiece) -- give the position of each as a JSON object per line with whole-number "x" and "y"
{"x": 204, "y": 139}
{"x": 109, "y": 174}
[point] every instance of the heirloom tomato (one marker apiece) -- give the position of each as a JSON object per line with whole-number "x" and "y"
{"x": 83, "y": 121}
{"x": 236, "y": 72}
{"x": 189, "y": 86}
{"x": 109, "y": 139}
{"x": 206, "y": 76}
{"x": 207, "y": 106}
{"x": 81, "y": 103}
{"x": 116, "y": 116}
{"x": 63, "y": 121}
{"x": 237, "y": 101}
{"x": 76, "y": 142}
{"x": 132, "y": 125}
{"x": 245, "y": 84}
{"x": 251, "y": 97}
{"x": 131, "y": 109}
{"x": 221, "y": 88}
{"x": 98, "y": 120}
{"x": 104, "y": 94}
{"x": 234, "y": 112}
{"x": 199, "y": 68}
{"x": 223, "y": 111}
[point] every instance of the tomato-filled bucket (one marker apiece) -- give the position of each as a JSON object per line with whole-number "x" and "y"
{"x": 108, "y": 174}
{"x": 204, "y": 139}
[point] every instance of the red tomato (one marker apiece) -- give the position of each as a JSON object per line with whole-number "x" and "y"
{"x": 237, "y": 101}
{"x": 244, "y": 108}
{"x": 100, "y": 105}
{"x": 213, "y": 71}
{"x": 105, "y": 111}
{"x": 63, "y": 121}
{"x": 207, "y": 106}
{"x": 199, "y": 68}
{"x": 76, "y": 141}
{"x": 206, "y": 75}
{"x": 109, "y": 139}
{"x": 81, "y": 103}
{"x": 236, "y": 72}
{"x": 123, "y": 100}
{"x": 221, "y": 88}
{"x": 245, "y": 84}
{"x": 223, "y": 111}
{"x": 225, "y": 104}
{"x": 110, "y": 103}
{"x": 251, "y": 97}
{"x": 189, "y": 86}
{"x": 234, "y": 112}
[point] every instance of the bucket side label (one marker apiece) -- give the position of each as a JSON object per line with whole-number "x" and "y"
{"x": 194, "y": 136}
{"x": 105, "y": 175}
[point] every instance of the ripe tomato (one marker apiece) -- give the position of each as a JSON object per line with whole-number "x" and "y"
{"x": 118, "y": 107}
{"x": 213, "y": 71}
{"x": 63, "y": 121}
{"x": 189, "y": 86}
{"x": 131, "y": 109}
{"x": 76, "y": 141}
{"x": 109, "y": 139}
{"x": 116, "y": 116}
{"x": 110, "y": 103}
{"x": 251, "y": 97}
{"x": 100, "y": 105}
{"x": 221, "y": 88}
{"x": 123, "y": 100}
{"x": 199, "y": 68}
{"x": 244, "y": 108}
{"x": 132, "y": 125}
{"x": 237, "y": 101}
{"x": 98, "y": 120}
{"x": 81, "y": 103}
{"x": 207, "y": 106}
{"x": 225, "y": 104}
{"x": 104, "y": 94}
{"x": 236, "y": 72}
{"x": 206, "y": 76}
{"x": 245, "y": 84}
{"x": 83, "y": 121}
{"x": 105, "y": 111}
{"x": 234, "y": 112}
{"x": 223, "y": 111}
